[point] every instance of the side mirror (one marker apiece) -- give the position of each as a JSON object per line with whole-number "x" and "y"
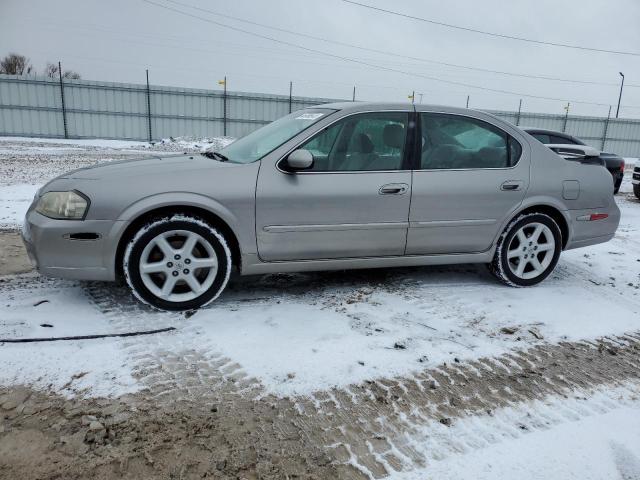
{"x": 299, "y": 160}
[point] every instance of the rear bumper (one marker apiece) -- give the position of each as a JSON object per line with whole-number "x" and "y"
{"x": 54, "y": 253}
{"x": 585, "y": 233}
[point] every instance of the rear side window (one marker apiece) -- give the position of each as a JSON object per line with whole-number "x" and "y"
{"x": 542, "y": 137}
{"x": 457, "y": 142}
{"x": 561, "y": 140}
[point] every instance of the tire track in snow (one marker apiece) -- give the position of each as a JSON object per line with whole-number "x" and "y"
{"x": 387, "y": 425}
{"x": 168, "y": 365}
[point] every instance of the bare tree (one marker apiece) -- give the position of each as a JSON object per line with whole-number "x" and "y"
{"x": 52, "y": 71}
{"x": 14, "y": 64}
{"x": 70, "y": 74}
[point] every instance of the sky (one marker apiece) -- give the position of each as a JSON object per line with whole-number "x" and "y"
{"x": 184, "y": 46}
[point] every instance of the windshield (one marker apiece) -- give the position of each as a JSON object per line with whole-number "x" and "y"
{"x": 259, "y": 143}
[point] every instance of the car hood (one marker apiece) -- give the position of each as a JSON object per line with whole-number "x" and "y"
{"x": 157, "y": 164}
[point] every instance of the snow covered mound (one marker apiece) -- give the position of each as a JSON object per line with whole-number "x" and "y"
{"x": 188, "y": 143}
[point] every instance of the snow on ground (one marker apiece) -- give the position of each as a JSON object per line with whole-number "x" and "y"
{"x": 602, "y": 444}
{"x": 303, "y": 332}
{"x": 14, "y": 202}
{"x": 311, "y": 335}
{"x": 58, "y": 143}
{"x": 55, "y": 145}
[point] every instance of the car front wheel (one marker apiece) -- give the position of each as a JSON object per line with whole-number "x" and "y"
{"x": 636, "y": 191}
{"x": 528, "y": 250}
{"x": 177, "y": 263}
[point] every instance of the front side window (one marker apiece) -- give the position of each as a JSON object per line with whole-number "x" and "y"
{"x": 457, "y": 142}
{"x": 362, "y": 142}
{"x": 259, "y": 143}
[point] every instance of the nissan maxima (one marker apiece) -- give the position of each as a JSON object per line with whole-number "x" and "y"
{"x": 340, "y": 186}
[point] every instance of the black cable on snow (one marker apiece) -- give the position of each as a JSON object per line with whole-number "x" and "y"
{"x": 85, "y": 337}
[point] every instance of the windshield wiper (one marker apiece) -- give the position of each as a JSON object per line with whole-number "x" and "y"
{"x": 215, "y": 156}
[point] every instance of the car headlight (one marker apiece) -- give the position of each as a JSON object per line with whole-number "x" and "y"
{"x": 63, "y": 205}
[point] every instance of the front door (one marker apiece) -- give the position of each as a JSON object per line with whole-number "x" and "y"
{"x": 471, "y": 176}
{"x": 353, "y": 202}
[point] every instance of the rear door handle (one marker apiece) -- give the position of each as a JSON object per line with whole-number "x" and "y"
{"x": 393, "y": 189}
{"x": 511, "y": 185}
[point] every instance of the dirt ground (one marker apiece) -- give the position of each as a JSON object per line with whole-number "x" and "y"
{"x": 13, "y": 257}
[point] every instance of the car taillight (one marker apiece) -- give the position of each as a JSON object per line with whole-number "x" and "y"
{"x": 622, "y": 167}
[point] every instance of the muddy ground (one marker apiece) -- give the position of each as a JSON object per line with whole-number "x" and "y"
{"x": 13, "y": 257}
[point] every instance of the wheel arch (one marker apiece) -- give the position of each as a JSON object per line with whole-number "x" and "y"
{"x": 203, "y": 213}
{"x": 552, "y": 211}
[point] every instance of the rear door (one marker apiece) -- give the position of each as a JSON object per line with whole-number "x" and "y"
{"x": 471, "y": 176}
{"x": 353, "y": 202}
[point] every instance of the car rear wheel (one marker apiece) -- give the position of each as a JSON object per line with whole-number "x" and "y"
{"x": 527, "y": 251}
{"x": 177, "y": 263}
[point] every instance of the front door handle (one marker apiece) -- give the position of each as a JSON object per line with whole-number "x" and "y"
{"x": 393, "y": 189}
{"x": 511, "y": 185}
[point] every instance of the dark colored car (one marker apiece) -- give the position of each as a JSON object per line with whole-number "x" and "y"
{"x": 614, "y": 163}
{"x": 635, "y": 180}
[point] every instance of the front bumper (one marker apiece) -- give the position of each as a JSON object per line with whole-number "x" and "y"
{"x": 54, "y": 252}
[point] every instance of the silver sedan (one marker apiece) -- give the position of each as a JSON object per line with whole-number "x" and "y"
{"x": 340, "y": 186}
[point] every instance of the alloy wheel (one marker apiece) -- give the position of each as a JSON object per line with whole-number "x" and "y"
{"x": 531, "y": 250}
{"x": 178, "y": 265}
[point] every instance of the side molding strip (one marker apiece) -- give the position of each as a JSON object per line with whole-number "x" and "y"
{"x": 335, "y": 227}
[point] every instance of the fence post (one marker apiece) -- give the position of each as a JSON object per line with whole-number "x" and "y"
{"x": 468, "y": 100}
{"x": 566, "y": 117}
{"x": 149, "y": 109}
{"x": 353, "y": 99}
{"x": 64, "y": 108}
{"x": 224, "y": 108}
{"x": 519, "y": 112}
{"x": 290, "y": 94}
{"x": 606, "y": 129}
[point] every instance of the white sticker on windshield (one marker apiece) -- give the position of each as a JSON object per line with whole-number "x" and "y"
{"x": 309, "y": 116}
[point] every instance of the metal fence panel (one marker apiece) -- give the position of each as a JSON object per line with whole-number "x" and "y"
{"x": 31, "y": 106}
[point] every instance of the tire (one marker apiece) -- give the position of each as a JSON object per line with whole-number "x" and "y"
{"x": 616, "y": 186}
{"x": 517, "y": 245}
{"x": 177, "y": 263}
{"x": 636, "y": 191}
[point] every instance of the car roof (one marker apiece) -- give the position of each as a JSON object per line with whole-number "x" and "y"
{"x": 545, "y": 131}
{"x": 363, "y": 107}
{"x": 376, "y": 106}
